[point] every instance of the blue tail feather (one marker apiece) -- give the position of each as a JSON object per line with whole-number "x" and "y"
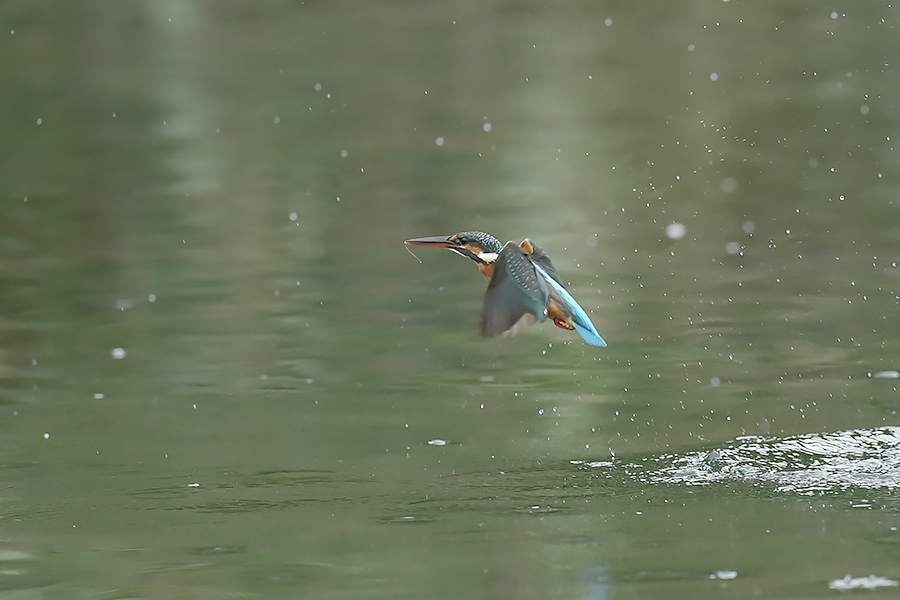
{"x": 582, "y": 321}
{"x": 590, "y": 335}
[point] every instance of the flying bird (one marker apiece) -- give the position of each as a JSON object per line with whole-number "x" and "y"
{"x": 524, "y": 287}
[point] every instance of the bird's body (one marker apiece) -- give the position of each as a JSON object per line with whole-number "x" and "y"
{"x": 524, "y": 287}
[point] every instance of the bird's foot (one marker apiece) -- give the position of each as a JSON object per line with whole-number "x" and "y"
{"x": 563, "y": 323}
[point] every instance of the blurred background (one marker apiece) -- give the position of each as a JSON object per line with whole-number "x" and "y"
{"x": 222, "y": 375}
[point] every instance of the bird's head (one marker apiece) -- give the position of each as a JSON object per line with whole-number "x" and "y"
{"x": 475, "y": 245}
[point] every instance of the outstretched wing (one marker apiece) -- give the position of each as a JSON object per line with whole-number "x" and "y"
{"x": 517, "y": 295}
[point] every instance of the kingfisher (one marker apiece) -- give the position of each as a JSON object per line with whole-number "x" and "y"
{"x": 524, "y": 287}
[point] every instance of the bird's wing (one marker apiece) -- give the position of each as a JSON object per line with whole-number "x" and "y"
{"x": 540, "y": 257}
{"x": 516, "y": 296}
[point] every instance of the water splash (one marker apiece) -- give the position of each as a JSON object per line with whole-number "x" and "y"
{"x": 808, "y": 464}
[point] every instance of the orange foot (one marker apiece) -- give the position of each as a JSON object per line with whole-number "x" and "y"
{"x": 563, "y": 323}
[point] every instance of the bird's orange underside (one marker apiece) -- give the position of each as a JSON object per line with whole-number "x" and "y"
{"x": 555, "y": 312}
{"x": 486, "y": 270}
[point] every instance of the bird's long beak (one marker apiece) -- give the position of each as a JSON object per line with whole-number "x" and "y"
{"x": 437, "y": 241}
